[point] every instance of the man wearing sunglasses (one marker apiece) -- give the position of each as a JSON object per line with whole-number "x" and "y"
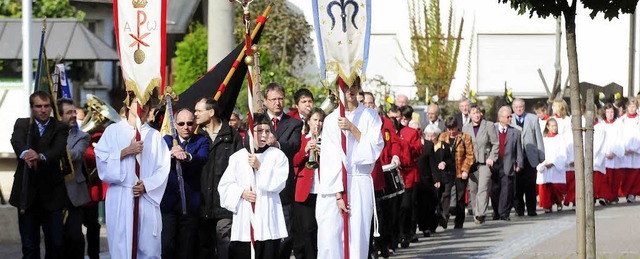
{"x": 180, "y": 232}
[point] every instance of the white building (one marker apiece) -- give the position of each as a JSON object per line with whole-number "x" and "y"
{"x": 507, "y": 48}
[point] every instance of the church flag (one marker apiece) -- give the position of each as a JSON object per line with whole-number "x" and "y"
{"x": 343, "y": 28}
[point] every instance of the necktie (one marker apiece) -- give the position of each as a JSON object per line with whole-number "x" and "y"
{"x": 41, "y": 129}
{"x": 275, "y": 124}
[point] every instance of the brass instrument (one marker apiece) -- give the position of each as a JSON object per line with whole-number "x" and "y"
{"x": 329, "y": 104}
{"x": 98, "y": 114}
{"x": 313, "y": 155}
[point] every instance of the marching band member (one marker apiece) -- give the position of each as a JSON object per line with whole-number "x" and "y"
{"x": 412, "y": 148}
{"x": 307, "y": 179}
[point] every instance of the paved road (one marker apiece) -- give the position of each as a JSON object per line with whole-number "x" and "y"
{"x": 545, "y": 236}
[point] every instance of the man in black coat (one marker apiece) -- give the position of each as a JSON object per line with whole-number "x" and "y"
{"x": 215, "y": 222}
{"x": 286, "y": 138}
{"x": 46, "y": 194}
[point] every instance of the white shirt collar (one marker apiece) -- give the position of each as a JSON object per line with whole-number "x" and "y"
{"x": 271, "y": 116}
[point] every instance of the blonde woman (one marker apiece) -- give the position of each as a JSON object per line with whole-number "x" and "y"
{"x": 561, "y": 114}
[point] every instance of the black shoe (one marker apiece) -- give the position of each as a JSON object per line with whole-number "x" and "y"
{"x": 505, "y": 218}
{"x": 457, "y": 226}
{"x": 532, "y": 214}
{"x": 443, "y": 222}
{"x": 384, "y": 252}
{"x": 426, "y": 233}
{"x": 520, "y": 214}
{"x": 479, "y": 220}
{"x": 405, "y": 243}
{"x": 496, "y": 217}
{"x": 414, "y": 239}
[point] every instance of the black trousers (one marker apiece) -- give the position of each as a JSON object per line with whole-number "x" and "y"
{"x": 525, "y": 187}
{"x": 90, "y": 221}
{"x": 179, "y": 234}
{"x": 73, "y": 237}
{"x": 406, "y": 222}
{"x": 29, "y": 225}
{"x": 426, "y": 206}
{"x": 287, "y": 243}
{"x": 461, "y": 187}
{"x": 268, "y": 249}
{"x": 306, "y": 235}
{"x": 214, "y": 236}
{"x": 502, "y": 192}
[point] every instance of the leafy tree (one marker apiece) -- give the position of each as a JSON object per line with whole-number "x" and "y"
{"x": 191, "y": 58}
{"x": 557, "y": 8}
{"x": 41, "y": 9}
{"x": 285, "y": 48}
{"x": 435, "y": 54}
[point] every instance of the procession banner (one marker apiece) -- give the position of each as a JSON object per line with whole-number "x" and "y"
{"x": 65, "y": 90}
{"x": 141, "y": 39}
{"x": 342, "y": 29}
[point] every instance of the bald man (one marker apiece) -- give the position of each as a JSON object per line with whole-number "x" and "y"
{"x": 402, "y": 100}
{"x": 510, "y": 160}
{"x": 433, "y": 114}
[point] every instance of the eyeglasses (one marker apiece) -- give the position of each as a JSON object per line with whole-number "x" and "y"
{"x": 182, "y": 123}
{"x": 276, "y": 99}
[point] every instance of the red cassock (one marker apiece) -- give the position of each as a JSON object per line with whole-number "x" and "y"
{"x": 304, "y": 176}
{"x": 411, "y": 150}
{"x": 391, "y": 148}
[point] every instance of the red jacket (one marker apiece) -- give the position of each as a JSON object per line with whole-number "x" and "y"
{"x": 303, "y": 175}
{"x": 97, "y": 189}
{"x": 391, "y": 148}
{"x": 411, "y": 150}
{"x": 295, "y": 114}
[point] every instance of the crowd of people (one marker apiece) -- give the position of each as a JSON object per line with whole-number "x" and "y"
{"x": 275, "y": 189}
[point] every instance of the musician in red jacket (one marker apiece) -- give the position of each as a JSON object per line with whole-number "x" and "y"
{"x": 387, "y": 220}
{"x": 306, "y": 169}
{"x": 411, "y": 150}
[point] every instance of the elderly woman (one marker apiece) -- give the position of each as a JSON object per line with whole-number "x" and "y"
{"x": 435, "y": 162}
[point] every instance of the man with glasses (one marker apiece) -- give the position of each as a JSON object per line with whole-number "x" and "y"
{"x": 179, "y": 231}
{"x": 77, "y": 188}
{"x": 508, "y": 164}
{"x": 533, "y": 149}
{"x": 286, "y": 132}
{"x": 214, "y": 226}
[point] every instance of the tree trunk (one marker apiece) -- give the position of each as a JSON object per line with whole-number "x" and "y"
{"x": 576, "y": 125}
{"x": 588, "y": 177}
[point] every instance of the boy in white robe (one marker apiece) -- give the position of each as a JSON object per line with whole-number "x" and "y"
{"x": 364, "y": 145}
{"x": 116, "y": 154}
{"x": 255, "y": 178}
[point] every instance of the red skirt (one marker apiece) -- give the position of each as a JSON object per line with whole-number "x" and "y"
{"x": 550, "y": 193}
{"x": 570, "y": 191}
{"x": 602, "y": 186}
{"x": 629, "y": 179}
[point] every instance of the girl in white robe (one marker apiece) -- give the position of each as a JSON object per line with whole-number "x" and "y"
{"x": 116, "y": 163}
{"x": 601, "y": 184}
{"x": 364, "y": 145}
{"x": 561, "y": 114}
{"x": 258, "y": 178}
{"x": 630, "y": 162}
{"x": 551, "y": 176}
{"x": 614, "y": 150}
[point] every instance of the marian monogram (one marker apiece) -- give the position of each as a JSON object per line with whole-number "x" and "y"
{"x": 343, "y": 13}
{"x": 143, "y": 30}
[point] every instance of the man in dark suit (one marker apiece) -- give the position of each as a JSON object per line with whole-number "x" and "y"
{"x": 463, "y": 117}
{"x": 180, "y": 231}
{"x": 508, "y": 164}
{"x": 77, "y": 188}
{"x": 533, "y": 149}
{"x": 46, "y": 194}
{"x": 286, "y": 138}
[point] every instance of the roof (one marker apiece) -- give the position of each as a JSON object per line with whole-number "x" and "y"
{"x": 179, "y": 13}
{"x": 67, "y": 39}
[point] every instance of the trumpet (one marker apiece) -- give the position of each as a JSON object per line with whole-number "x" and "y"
{"x": 313, "y": 155}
